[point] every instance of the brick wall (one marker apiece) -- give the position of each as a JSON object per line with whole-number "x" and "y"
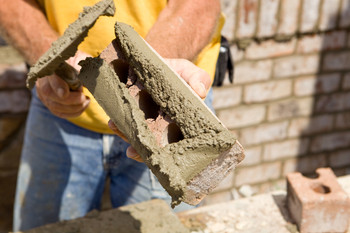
{"x": 14, "y": 102}
{"x": 289, "y": 104}
{"x": 290, "y": 101}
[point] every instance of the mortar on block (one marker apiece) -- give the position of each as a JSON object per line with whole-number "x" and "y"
{"x": 184, "y": 144}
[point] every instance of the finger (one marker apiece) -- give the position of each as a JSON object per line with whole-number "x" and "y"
{"x": 115, "y": 129}
{"x": 198, "y": 79}
{"x": 59, "y": 86}
{"x": 132, "y": 154}
{"x": 66, "y": 108}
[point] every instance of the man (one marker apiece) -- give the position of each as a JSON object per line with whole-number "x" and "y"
{"x": 69, "y": 149}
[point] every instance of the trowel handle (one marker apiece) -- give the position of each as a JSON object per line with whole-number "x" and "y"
{"x": 70, "y": 75}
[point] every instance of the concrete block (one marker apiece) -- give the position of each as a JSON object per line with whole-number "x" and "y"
{"x": 318, "y": 205}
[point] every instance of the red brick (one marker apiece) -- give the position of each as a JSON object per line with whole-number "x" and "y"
{"x": 318, "y": 205}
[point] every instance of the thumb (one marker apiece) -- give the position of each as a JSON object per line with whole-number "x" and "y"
{"x": 59, "y": 86}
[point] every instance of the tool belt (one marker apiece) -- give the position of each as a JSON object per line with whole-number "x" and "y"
{"x": 224, "y": 64}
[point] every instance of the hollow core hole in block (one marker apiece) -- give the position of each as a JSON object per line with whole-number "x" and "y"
{"x": 320, "y": 188}
{"x": 147, "y": 105}
{"x": 121, "y": 68}
{"x": 174, "y": 133}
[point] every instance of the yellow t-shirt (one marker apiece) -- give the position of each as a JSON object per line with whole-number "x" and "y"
{"x": 141, "y": 15}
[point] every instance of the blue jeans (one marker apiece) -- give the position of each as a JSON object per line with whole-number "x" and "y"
{"x": 64, "y": 167}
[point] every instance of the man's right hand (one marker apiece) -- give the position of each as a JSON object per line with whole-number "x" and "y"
{"x": 56, "y": 95}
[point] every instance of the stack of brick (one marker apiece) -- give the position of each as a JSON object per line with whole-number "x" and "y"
{"x": 13, "y": 110}
{"x": 290, "y": 101}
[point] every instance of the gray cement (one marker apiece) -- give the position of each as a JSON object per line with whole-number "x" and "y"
{"x": 66, "y": 46}
{"x": 177, "y": 164}
{"x": 148, "y": 217}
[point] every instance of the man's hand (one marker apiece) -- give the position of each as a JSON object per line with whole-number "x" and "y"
{"x": 56, "y": 95}
{"x": 198, "y": 79}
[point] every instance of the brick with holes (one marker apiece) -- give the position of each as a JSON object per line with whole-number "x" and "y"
{"x": 318, "y": 205}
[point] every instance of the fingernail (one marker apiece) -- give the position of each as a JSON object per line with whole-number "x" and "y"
{"x": 131, "y": 152}
{"x": 202, "y": 89}
{"x": 60, "y": 92}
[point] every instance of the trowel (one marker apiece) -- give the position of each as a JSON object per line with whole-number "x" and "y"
{"x": 178, "y": 137}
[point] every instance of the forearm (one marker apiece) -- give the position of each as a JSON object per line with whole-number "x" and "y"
{"x": 184, "y": 28}
{"x": 26, "y": 28}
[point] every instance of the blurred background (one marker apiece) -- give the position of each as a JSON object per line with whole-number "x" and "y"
{"x": 289, "y": 105}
